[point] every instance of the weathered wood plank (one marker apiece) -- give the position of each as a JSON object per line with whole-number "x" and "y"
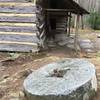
{"x": 15, "y": 8}
{"x": 18, "y": 19}
{"x": 18, "y": 33}
{"x": 19, "y": 43}
{"x": 18, "y": 29}
{"x": 17, "y": 24}
{"x": 13, "y": 14}
{"x": 19, "y": 38}
{"x": 15, "y": 0}
{"x": 16, "y": 4}
{"x": 18, "y": 48}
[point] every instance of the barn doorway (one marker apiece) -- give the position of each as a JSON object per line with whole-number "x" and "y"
{"x": 56, "y": 19}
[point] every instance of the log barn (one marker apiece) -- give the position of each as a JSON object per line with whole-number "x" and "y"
{"x": 30, "y": 25}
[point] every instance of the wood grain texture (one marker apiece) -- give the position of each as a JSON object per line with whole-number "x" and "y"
{"x": 18, "y": 29}
{"x": 17, "y": 8}
{"x": 18, "y": 26}
{"x": 18, "y": 48}
{"x": 16, "y": 4}
{"x": 18, "y": 19}
{"x": 19, "y": 38}
{"x": 20, "y": 43}
{"x": 15, "y": 0}
{"x": 17, "y": 33}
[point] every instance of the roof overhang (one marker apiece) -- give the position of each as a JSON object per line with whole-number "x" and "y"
{"x": 69, "y": 5}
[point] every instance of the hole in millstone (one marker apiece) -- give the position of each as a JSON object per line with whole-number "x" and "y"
{"x": 58, "y": 73}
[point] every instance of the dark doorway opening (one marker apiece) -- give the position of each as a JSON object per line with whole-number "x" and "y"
{"x": 52, "y": 17}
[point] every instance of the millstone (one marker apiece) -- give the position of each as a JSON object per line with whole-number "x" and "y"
{"x": 68, "y": 79}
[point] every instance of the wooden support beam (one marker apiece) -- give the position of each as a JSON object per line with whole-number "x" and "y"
{"x": 76, "y": 33}
{"x": 82, "y": 23}
{"x": 69, "y": 22}
{"x": 61, "y": 10}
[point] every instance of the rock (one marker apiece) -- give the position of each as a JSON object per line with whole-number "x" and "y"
{"x": 87, "y": 46}
{"x": 14, "y": 95}
{"x": 77, "y": 82}
{"x": 21, "y": 94}
{"x": 2, "y": 68}
{"x": 60, "y": 37}
{"x": 14, "y": 99}
{"x": 97, "y": 44}
{"x": 3, "y": 81}
{"x": 25, "y": 72}
{"x": 1, "y": 94}
{"x": 14, "y": 56}
{"x": 71, "y": 46}
{"x": 85, "y": 96}
{"x": 17, "y": 96}
{"x": 6, "y": 76}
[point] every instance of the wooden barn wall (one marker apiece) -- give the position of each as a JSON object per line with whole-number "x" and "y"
{"x": 18, "y": 29}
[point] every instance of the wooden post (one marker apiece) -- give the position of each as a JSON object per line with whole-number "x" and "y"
{"x": 82, "y": 23}
{"x": 34, "y": 2}
{"x": 69, "y": 22}
{"x": 76, "y": 33}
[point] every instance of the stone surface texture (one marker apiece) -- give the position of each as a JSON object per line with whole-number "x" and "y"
{"x": 68, "y": 79}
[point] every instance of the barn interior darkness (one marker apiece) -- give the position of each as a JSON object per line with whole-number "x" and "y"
{"x": 56, "y": 4}
{"x": 52, "y": 17}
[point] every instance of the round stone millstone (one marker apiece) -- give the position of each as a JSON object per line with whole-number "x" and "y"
{"x": 68, "y": 79}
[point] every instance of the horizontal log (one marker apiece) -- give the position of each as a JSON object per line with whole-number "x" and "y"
{"x": 18, "y": 48}
{"x": 18, "y": 15}
{"x": 16, "y": 4}
{"x": 19, "y": 43}
{"x": 15, "y": 0}
{"x": 17, "y": 33}
{"x": 17, "y": 24}
{"x": 19, "y": 38}
{"x": 17, "y": 8}
{"x": 18, "y": 29}
{"x": 15, "y": 18}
